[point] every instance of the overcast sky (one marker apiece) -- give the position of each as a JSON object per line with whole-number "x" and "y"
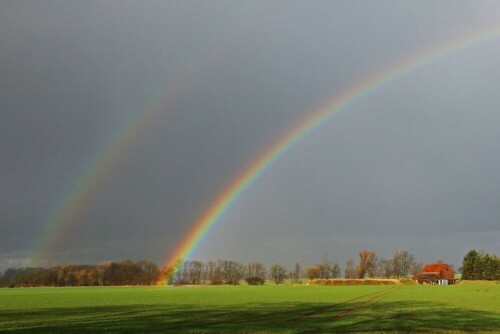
{"x": 414, "y": 165}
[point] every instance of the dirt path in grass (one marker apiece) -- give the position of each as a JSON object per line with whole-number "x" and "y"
{"x": 374, "y": 296}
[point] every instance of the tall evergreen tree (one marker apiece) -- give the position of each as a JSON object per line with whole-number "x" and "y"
{"x": 469, "y": 265}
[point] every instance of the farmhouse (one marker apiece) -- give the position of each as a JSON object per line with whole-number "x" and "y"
{"x": 436, "y": 273}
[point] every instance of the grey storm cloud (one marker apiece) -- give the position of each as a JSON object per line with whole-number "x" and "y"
{"x": 413, "y": 165}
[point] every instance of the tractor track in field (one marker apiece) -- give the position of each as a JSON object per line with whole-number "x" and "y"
{"x": 365, "y": 303}
{"x": 374, "y": 296}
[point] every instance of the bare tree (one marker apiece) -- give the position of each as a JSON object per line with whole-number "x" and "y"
{"x": 402, "y": 262}
{"x": 416, "y": 268}
{"x": 204, "y": 273}
{"x": 210, "y": 270}
{"x": 328, "y": 269}
{"x": 335, "y": 270}
{"x": 278, "y": 273}
{"x": 295, "y": 274}
{"x": 255, "y": 273}
{"x": 372, "y": 269}
{"x": 216, "y": 276}
{"x": 194, "y": 271}
{"x": 183, "y": 273}
{"x": 385, "y": 267}
{"x": 324, "y": 268}
{"x": 149, "y": 271}
{"x": 350, "y": 270}
{"x": 232, "y": 272}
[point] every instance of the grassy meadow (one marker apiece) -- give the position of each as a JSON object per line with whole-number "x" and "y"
{"x": 252, "y": 309}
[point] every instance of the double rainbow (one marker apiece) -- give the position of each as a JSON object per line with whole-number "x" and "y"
{"x": 74, "y": 202}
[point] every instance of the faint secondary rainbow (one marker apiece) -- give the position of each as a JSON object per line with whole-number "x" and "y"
{"x": 314, "y": 120}
{"x": 75, "y": 201}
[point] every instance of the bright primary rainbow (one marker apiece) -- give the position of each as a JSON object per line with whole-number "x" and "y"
{"x": 313, "y": 121}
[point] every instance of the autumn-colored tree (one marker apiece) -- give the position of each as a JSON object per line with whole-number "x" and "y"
{"x": 313, "y": 272}
{"x": 83, "y": 277}
{"x": 67, "y": 275}
{"x": 367, "y": 263}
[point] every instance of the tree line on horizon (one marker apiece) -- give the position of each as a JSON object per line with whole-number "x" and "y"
{"x": 401, "y": 264}
{"x": 146, "y": 272}
{"x": 127, "y": 272}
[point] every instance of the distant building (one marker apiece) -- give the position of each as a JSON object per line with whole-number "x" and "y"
{"x": 436, "y": 273}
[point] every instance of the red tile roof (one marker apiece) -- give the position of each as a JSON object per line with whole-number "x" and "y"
{"x": 436, "y": 267}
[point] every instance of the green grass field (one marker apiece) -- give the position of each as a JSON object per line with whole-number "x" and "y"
{"x": 252, "y": 309}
